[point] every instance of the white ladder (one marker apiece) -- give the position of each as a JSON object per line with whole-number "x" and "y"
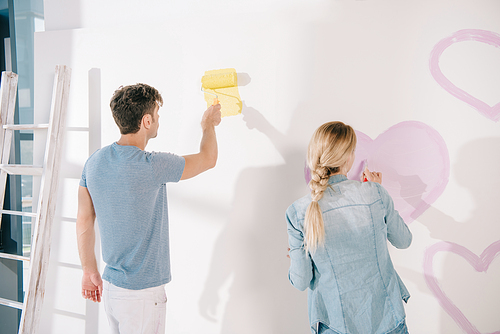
{"x": 49, "y": 172}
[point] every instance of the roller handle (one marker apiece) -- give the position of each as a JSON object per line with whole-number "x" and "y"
{"x": 365, "y": 164}
{"x": 216, "y": 101}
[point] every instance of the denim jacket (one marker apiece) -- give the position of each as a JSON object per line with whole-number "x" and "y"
{"x": 353, "y": 287}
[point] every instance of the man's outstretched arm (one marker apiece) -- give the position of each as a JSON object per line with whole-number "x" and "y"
{"x": 207, "y": 157}
{"x": 91, "y": 280}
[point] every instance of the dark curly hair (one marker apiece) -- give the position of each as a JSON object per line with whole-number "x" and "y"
{"x": 129, "y": 104}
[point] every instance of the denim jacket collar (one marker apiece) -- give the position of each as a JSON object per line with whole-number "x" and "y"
{"x": 337, "y": 178}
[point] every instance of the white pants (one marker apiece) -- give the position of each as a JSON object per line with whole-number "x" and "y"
{"x": 135, "y": 311}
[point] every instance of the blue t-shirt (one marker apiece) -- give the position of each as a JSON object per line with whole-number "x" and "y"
{"x": 128, "y": 190}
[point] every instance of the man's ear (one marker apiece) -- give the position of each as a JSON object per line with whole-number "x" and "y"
{"x": 147, "y": 120}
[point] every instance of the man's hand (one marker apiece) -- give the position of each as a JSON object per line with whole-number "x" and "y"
{"x": 211, "y": 117}
{"x": 92, "y": 286}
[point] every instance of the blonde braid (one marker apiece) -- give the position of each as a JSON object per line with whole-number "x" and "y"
{"x": 319, "y": 182}
{"x": 329, "y": 150}
{"x": 314, "y": 226}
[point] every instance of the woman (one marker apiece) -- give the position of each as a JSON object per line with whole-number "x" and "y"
{"x": 338, "y": 242}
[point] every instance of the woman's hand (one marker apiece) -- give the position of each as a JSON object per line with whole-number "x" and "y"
{"x": 371, "y": 176}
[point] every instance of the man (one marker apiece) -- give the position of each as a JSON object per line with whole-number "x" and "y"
{"x": 125, "y": 188}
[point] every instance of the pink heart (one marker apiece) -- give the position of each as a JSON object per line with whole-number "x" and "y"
{"x": 480, "y": 263}
{"x": 414, "y": 162}
{"x": 482, "y": 36}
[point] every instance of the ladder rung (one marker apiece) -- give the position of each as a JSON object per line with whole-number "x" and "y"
{"x": 14, "y": 257}
{"x": 25, "y": 126}
{"x": 11, "y": 303}
{"x": 77, "y": 128}
{"x": 22, "y": 169}
{"x": 19, "y": 213}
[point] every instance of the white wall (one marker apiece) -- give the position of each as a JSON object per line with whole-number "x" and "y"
{"x": 363, "y": 62}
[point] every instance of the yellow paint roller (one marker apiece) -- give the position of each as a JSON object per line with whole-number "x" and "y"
{"x": 218, "y": 79}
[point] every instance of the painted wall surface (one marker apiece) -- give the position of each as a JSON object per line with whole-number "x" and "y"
{"x": 419, "y": 81}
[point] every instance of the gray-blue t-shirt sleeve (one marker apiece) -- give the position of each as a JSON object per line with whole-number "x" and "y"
{"x": 167, "y": 167}
{"x": 83, "y": 179}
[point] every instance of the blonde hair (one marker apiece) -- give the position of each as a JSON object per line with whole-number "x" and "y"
{"x": 329, "y": 150}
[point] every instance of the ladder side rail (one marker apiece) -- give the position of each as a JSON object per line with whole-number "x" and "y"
{"x": 6, "y": 79}
{"x": 9, "y": 117}
{"x": 8, "y": 92}
{"x": 33, "y": 300}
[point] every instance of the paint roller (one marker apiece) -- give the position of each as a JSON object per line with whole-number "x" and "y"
{"x": 218, "y": 80}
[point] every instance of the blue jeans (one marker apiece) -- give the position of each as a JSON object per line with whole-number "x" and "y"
{"x": 401, "y": 329}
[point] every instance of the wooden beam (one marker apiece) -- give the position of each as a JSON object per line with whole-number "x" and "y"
{"x": 8, "y": 91}
{"x": 40, "y": 247}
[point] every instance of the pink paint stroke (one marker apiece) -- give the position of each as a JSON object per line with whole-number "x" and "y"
{"x": 483, "y": 36}
{"x": 480, "y": 263}
{"x": 414, "y": 162}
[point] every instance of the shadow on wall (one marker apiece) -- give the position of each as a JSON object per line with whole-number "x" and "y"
{"x": 252, "y": 248}
{"x": 467, "y": 301}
